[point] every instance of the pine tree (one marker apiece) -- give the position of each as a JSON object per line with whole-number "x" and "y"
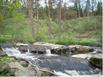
{"x": 77, "y": 7}
{"x": 99, "y": 8}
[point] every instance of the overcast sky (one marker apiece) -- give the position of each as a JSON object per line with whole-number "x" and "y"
{"x": 68, "y": 2}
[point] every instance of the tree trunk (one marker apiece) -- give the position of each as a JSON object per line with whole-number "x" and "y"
{"x": 37, "y": 9}
{"x": 59, "y": 19}
{"x": 87, "y": 7}
{"x": 78, "y": 7}
{"x": 49, "y": 19}
{"x": 59, "y": 12}
{"x": 30, "y": 15}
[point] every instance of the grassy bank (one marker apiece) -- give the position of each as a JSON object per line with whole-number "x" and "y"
{"x": 84, "y": 31}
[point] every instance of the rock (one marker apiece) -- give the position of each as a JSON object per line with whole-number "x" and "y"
{"x": 80, "y": 49}
{"x": 24, "y": 63}
{"x": 47, "y": 72}
{"x": 61, "y": 51}
{"x": 96, "y": 60}
{"x": 21, "y": 44}
{"x": 2, "y": 53}
{"x": 14, "y": 66}
{"x": 48, "y": 45}
{"x": 40, "y": 48}
{"x": 97, "y": 50}
{"x": 28, "y": 71}
{"x": 11, "y": 67}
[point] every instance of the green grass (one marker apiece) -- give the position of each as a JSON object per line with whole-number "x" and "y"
{"x": 84, "y": 31}
{"x": 3, "y": 61}
{"x": 6, "y": 59}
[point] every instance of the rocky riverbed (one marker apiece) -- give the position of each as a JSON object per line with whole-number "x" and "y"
{"x": 44, "y": 59}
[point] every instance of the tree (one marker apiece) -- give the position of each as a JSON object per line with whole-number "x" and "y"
{"x": 37, "y": 8}
{"x": 99, "y": 8}
{"x": 77, "y": 7}
{"x": 30, "y": 9}
{"x": 93, "y": 3}
{"x": 30, "y": 15}
{"x": 64, "y": 11}
{"x": 59, "y": 12}
{"x": 87, "y": 9}
{"x": 49, "y": 18}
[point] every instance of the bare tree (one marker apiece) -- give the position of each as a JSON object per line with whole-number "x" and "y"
{"x": 77, "y": 7}
{"x": 30, "y": 15}
{"x": 37, "y": 8}
{"x": 49, "y": 18}
{"x": 59, "y": 12}
{"x": 87, "y": 9}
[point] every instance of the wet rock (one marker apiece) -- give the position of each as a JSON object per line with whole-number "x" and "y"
{"x": 96, "y": 60}
{"x": 33, "y": 70}
{"x": 97, "y": 50}
{"x": 43, "y": 46}
{"x": 80, "y": 49}
{"x": 24, "y": 63}
{"x": 2, "y": 53}
{"x": 61, "y": 51}
{"x": 47, "y": 72}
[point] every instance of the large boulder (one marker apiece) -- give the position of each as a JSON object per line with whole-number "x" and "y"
{"x": 11, "y": 67}
{"x": 14, "y": 67}
{"x": 28, "y": 71}
{"x": 96, "y": 60}
{"x": 33, "y": 70}
{"x": 54, "y": 48}
{"x": 76, "y": 49}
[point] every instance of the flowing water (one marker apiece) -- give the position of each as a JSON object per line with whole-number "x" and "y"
{"x": 61, "y": 65}
{"x": 48, "y": 53}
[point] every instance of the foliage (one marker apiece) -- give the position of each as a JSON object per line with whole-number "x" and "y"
{"x": 6, "y": 59}
{"x": 85, "y": 31}
{"x": 4, "y": 72}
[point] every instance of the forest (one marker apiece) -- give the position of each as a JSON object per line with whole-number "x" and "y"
{"x": 55, "y": 21}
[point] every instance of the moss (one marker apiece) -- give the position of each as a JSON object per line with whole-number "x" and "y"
{"x": 96, "y": 61}
{"x": 6, "y": 59}
{"x": 3, "y": 61}
{"x": 4, "y": 72}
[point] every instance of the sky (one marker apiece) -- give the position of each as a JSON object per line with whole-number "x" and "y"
{"x": 68, "y": 2}
{"x": 42, "y": 2}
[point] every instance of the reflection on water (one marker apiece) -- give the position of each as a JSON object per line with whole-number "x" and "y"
{"x": 66, "y": 65}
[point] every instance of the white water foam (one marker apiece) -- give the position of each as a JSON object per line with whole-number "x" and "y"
{"x": 48, "y": 53}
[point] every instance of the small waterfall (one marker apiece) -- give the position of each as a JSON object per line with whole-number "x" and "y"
{"x": 16, "y": 53}
{"x": 48, "y": 51}
{"x": 11, "y": 51}
{"x": 28, "y": 51}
